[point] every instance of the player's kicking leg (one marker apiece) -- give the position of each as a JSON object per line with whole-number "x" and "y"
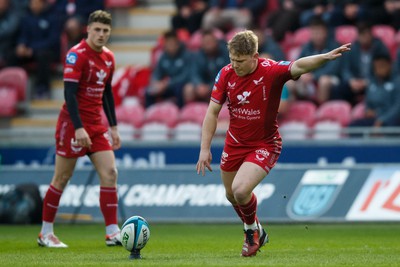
{"x": 247, "y": 178}
{"x": 104, "y": 161}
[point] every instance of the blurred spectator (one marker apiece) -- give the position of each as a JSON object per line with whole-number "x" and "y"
{"x": 8, "y": 31}
{"x": 38, "y": 42}
{"x": 189, "y": 14}
{"x": 66, "y": 9}
{"x": 357, "y": 65}
{"x": 74, "y": 32}
{"x": 227, "y": 15}
{"x": 352, "y": 11}
{"x": 314, "y": 8}
{"x": 315, "y": 86}
{"x": 73, "y": 15}
{"x": 267, "y": 47}
{"x": 285, "y": 19}
{"x": 391, "y": 14}
{"x": 172, "y": 72}
{"x": 20, "y": 7}
{"x": 382, "y": 103}
{"x": 207, "y": 62}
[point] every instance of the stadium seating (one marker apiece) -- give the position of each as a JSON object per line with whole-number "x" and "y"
{"x": 301, "y": 111}
{"x": 346, "y": 34}
{"x": 327, "y": 130}
{"x": 119, "y": 3}
{"x": 187, "y": 131}
{"x": 13, "y": 86}
{"x": 194, "y": 42}
{"x": 130, "y": 114}
{"x": 155, "y": 131}
{"x": 294, "y": 130}
{"x": 388, "y": 36}
{"x": 8, "y": 101}
{"x": 193, "y": 112}
{"x": 301, "y": 36}
{"x": 358, "y": 111}
{"x": 334, "y": 110}
{"x": 16, "y": 78}
{"x": 164, "y": 112}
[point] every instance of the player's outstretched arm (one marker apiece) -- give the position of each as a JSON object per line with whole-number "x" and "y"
{"x": 310, "y": 63}
{"x": 207, "y": 133}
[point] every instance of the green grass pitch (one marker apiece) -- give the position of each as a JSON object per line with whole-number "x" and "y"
{"x": 210, "y": 245}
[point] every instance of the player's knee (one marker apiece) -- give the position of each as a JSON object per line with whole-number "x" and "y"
{"x": 60, "y": 181}
{"x": 231, "y": 198}
{"x": 241, "y": 195}
{"x": 109, "y": 176}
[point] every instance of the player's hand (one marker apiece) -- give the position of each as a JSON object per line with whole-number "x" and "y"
{"x": 335, "y": 53}
{"x": 82, "y": 138}
{"x": 204, "y": 161}
{"x": 116, "y": 140}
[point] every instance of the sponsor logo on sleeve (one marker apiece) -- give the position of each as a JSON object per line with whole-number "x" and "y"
{"x": 284, "y": 63}
{"x": 217, "y": 78}
{"x": 71, "y": 58}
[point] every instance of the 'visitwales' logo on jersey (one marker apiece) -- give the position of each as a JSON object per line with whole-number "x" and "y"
{"x": 316, "y": 193}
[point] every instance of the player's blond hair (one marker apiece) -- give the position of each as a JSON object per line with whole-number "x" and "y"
{"x": 100, "y": 16}
{"x": 243, "y": 43}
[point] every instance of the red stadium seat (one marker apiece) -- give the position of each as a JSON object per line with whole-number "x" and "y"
{"x": 119, "y": 3}
{"x": 193, "y": 112}
{"x": 130, "y": 114}
{"x": 8, "y": 101}
{"x": 301, "y": 111}
{"x": 334, "y": 110}
{"x": 224, "y": 113}
{"x": 194, "y": 42}
{"x": 301, "y": 36}
{"x": 345, "y": 34}
{"x": 163, "y": 112}
{"x": 17, "y": 78}
{"x": 358, "y": 111}
{"x": 388, "y": 36}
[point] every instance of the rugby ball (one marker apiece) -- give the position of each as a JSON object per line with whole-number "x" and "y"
{"x": 135, "y": 233}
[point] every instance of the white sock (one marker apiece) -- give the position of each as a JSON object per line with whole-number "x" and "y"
{"x": 47, "y": 228}
{"x": 111, "y": 229}
{"x": 252, "y": 226}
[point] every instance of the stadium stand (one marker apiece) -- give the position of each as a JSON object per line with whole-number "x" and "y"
{"x": 193, "y": 112}
{"x": 334, "y": 110}
{"x": 301, "y": 111}
{"x": 13, "y": 87}
{"x": 345, "y": 34}
{"x": 164, "y": 112}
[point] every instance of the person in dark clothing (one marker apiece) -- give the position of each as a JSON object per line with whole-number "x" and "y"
{"x": 171, "y": 73}
{"x": 382, "y": 103}
{"x": 9, "y": 22}
{"x": 189, "y": 14}
{"x": 38, "y": 42}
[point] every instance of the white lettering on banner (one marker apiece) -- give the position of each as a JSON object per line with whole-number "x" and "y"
{"x": 154, "y": 195}
{"x": 379, "y": 198}
{"x": 190, "y": 194}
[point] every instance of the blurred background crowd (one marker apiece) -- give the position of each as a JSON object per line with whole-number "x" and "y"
{"x": 362, "y": 88}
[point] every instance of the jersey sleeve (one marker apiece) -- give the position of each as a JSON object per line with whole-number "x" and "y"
{"x": 218, "y": 94}
{"x": 73, "y": 66}
{"x": 281, "y": 70}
